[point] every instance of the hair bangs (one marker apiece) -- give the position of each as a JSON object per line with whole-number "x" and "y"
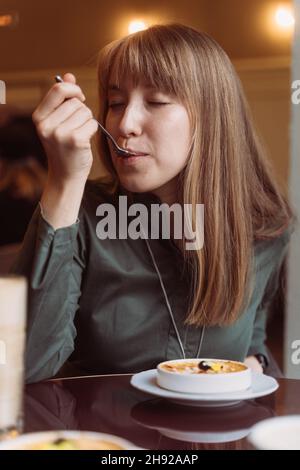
{"x": 142, "y": 58}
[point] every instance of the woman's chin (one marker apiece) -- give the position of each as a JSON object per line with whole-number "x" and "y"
{"x": 136, "y": 186}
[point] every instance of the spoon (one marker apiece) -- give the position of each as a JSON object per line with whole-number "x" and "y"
{"x": 119, "y": 150}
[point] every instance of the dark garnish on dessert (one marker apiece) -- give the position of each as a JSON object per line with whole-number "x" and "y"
{"x": 202, "y": 365}
{"x": 59, "y": 441}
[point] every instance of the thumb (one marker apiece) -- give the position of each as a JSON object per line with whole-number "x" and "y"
{"x": 69, "y": 77}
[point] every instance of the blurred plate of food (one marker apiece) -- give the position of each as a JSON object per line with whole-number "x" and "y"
{"x": 67, "y": 440}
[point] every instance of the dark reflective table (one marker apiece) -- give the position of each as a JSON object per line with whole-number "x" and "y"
{"x": 111, "y": 405}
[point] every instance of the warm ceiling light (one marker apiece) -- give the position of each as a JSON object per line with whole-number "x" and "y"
{"x": 136, "y": 25}
{"x": 8, "y": 19}
{"x": 284, "y": 17}
{"x": 5, "y": 20}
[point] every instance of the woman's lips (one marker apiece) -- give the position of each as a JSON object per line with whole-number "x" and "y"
{"x": 132, "y": 154}
{"x": 136, "y": 152}
{"x": 132, "y": 160}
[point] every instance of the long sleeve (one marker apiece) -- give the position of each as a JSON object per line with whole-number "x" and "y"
{"x": 271, "y": 270}
{"x": 53, "y": 262}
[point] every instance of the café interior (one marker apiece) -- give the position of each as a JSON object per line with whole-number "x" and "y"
{"x": 41, "y": 40}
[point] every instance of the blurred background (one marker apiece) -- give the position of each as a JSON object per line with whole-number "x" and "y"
{"x": 39, "y": 40}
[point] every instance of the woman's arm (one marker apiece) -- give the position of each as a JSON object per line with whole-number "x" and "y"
{"x": 52, "y": 260}
{"x": 270, "y": 271}
{"x": 50, "y": 254}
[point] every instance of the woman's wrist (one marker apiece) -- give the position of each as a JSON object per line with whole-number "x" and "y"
{"x": 61, "y": 202}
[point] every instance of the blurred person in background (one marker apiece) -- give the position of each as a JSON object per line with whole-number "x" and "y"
{"x": 22, "y": 176}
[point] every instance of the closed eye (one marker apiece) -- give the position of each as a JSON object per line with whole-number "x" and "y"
{"x": 154, "y": 103}
{"x": 113, "y": 105}
{"x": 157, "y": 103}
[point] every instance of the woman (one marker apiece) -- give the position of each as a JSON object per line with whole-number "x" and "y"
{"x": 123, "y": 305}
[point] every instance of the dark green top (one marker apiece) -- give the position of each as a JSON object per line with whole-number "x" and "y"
{"x": 100, "y": 304}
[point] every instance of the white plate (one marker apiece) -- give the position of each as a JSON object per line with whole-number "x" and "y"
{"x": 261, "y": 385}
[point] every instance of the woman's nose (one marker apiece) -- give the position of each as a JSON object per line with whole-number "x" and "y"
{"x": 131, "y": 122}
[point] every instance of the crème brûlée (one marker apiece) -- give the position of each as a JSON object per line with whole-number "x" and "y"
{"x": 203, "y": 375}
{"x": 203, "y": 367}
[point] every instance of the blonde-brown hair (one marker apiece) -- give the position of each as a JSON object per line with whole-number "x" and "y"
{"x": 227, "y": 170}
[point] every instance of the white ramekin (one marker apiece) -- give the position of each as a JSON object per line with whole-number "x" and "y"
{"x": 203, "y": 383}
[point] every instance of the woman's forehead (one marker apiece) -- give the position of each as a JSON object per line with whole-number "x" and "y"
{"x": 120, "y": 80}
{"x": 127, "y": 82}
{"x": 124, "y": 85}
{"x": 121, "y": 76}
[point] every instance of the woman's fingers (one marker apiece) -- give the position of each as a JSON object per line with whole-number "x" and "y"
{"x": 66, "y": 126}
{"x": 81, "y": 136}
{"x": 65, "y": 132}
{"x": 69, "y": 77}
{"x": 60, "y": 115}
{"x": 55, "y": 97}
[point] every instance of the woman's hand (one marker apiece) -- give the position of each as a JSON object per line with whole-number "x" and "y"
{"x": 65, "y": 126}
{"x": 253, "y": 364}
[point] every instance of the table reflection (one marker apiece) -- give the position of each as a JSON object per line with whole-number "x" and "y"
{"x": 201, "y": 425}
{"x": 111, "y": 405}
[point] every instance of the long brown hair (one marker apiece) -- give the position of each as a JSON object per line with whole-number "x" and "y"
{"x": 227, "y": 169}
